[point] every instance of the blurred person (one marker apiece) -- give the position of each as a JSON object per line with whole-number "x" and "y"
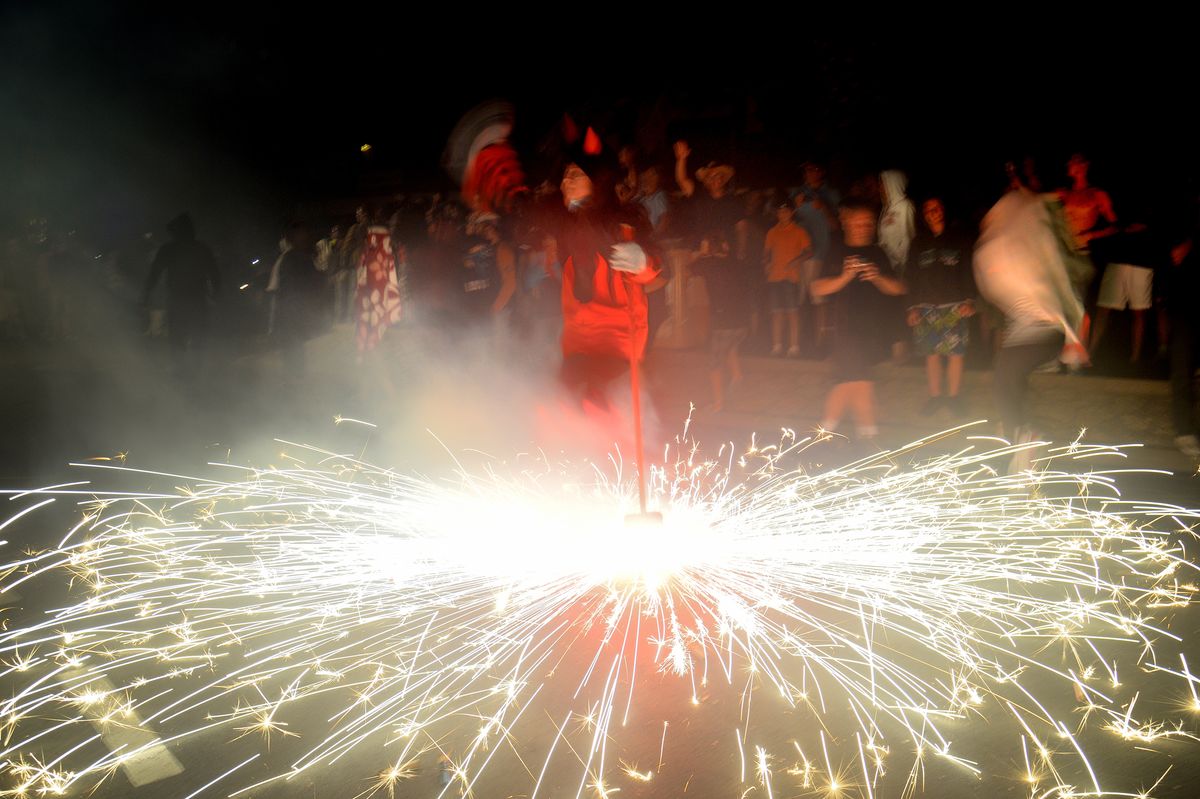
{"x": 1085, "y": 214}
{"x": 785, "y": 250}
{"x": 327, "y": 261}
{"x": 1089, "y": 210}
{"x": 491, "y": 278}
{"x": 728, "y": 293}
{"x": 715, "y": 208}
{"x": 941, "y": 300}
{"x": 539, "y": 298}
{"x": 656, "y": 207}
{"x": 897, "y": 226}
{"x": 857, "y": 280}
{"x": 1074, "y": 251}
{"x": 751, "y": 238}
{"x": 865, "y": 191}
{"x": 816, "y": 206}
{"x": 193, "y": 283}
{"x": 1131, "y": 258}
{"x": 300, "y": 307}
{"x": 434, "y": 270}
{"x": 1029, "y": 174}
{"x": 377, "y": 297}
{"x": 1019, "y": 268}
{"x": 349, "y": 257}
{"x": 898, "y": 220}
{"x": 816, "y": 209}
{"x": 652, "y": 198}
{"x": 479, "y": 280}
{"x": 1182, "y": 278}
{"x": 991, "y": 318}
{"x": 272, "y": 289}
{"x": 327, "y": 251}
{"x": 627, "y": 186}
{"x": 605, "y": 270}
{"x": 396, "y": 229}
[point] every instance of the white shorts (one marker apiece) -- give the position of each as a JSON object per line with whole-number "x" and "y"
{"x": 1126, "y": 285}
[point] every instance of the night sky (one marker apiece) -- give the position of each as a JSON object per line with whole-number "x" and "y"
{"x": 112, "y": 118}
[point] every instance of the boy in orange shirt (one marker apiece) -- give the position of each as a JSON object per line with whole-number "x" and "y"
{"x": 787, "y": 247}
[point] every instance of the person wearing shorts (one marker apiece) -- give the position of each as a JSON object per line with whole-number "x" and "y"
{"x": 786, "y": 249}
{"x": 1125, "y": 285}
{"x": 942, "y": 294}
{"x": 729, "y": 300}
{"x": 857, "y": 280}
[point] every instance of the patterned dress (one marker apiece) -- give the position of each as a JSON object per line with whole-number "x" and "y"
{"x": 378, "y": 297}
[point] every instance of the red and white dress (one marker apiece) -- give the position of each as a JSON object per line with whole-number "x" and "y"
{"x": 378, "y": 297}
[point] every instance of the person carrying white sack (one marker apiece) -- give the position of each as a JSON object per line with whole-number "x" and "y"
{"x": 1019, "y": 268}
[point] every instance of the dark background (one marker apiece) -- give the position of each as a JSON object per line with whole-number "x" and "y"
{"x": 114, "y": 117}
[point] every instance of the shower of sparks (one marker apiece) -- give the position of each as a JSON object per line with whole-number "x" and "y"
{"x": 332, "y": 608}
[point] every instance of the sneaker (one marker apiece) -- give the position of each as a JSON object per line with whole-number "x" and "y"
{"x": 793, "y": 351}
{"x": 1189, "y": 445}
{"x": 931, "y": 405}
{"x": 956, "y": 405}
{"x": 1050, "y": 367}
{"x": 777, "y": 350}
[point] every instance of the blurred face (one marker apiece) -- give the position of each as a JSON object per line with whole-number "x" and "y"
{"x": 360, "y": 214}
{"x": 576, "y": 185}
{"x": 814, "y": 176}
{"x": 859, "y": 225}
{"x": 715, "y": 184}
{"x": 1077, "y": 168}
{"x": 783, "y": 214}
{"x": 934, "y": 214}
{"x": 649, "y": 181}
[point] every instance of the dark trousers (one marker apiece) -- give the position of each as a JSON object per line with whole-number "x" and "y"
{"x": 1184, "y": 330}
{"x": 1010, "y": 380}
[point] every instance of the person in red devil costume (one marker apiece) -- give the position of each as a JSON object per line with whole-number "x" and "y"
{"x": 606, "y": 252}
{"x": 606, "y": 262}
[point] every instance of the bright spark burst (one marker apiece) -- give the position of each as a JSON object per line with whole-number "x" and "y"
{"x": 886, "y": 602}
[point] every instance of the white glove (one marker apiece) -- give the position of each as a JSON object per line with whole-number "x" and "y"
{"x": 627, "y": 256}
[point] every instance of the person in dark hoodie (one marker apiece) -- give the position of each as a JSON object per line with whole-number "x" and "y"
{"x": 941, "y": 299}
{"x": 192, "y": 283}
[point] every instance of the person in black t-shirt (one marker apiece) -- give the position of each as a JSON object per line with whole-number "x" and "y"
{"x": 728, "y": 287}
{"x": 855, "y": 279}
{"x": 714, "y": 208}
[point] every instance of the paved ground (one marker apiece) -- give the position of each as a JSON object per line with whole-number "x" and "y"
{"x": 791, "y": 393}
{"x": 94, "y": 398}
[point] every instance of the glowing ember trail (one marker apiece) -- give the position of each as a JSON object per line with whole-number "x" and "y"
{"x": 335, "y": 608}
